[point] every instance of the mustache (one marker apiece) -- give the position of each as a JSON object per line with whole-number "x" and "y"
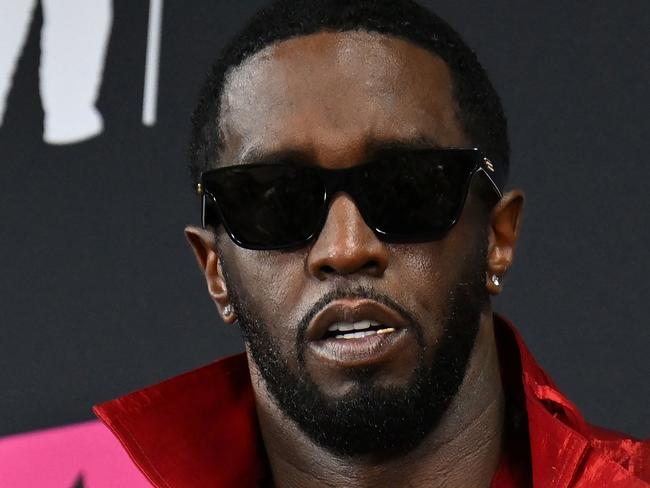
{"x": 358, "y": 292}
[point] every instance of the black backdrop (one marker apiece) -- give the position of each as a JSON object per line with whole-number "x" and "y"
{"x": 99, "y": 294}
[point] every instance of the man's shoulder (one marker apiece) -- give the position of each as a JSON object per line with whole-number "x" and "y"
{"x": 569, "y": 451}
{"x": 620, "y": 449}
{"x": 566, "y": 450}
{"x": 175, "y": 430}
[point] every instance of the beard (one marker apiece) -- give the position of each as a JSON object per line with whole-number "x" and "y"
{"x": 371, "y": 419}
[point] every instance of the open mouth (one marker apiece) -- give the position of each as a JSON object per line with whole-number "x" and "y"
{"x": 354, "y": 319}
{"x": 357, "y": 330}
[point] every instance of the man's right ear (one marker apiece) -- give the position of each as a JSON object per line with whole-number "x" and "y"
{"x": 202, "y": 243}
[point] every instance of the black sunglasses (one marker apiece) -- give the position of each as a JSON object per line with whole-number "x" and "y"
{"x": 413, "y": 195}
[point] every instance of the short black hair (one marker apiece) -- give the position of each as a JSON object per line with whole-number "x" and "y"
{"x": 480, "y": 109}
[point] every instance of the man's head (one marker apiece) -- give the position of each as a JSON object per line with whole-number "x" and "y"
{"x": 332, "y": 85}
{"x": 476, "y": 102}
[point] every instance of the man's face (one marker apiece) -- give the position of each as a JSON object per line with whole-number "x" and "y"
{"x": 333, "y": 99}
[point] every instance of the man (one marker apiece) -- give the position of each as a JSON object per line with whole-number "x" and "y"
{"x": 351, "y": 158}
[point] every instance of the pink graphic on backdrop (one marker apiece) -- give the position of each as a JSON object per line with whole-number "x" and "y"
{"x": 84, "y": 454}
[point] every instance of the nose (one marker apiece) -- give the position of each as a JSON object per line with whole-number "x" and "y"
{"x": 346, "y": 245}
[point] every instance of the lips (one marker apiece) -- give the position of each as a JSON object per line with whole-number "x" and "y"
{"x": 350, "y": 333}
{"x": 360, "y": 313}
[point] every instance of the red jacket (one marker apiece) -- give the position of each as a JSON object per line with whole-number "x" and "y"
{"x": 199, "y": 430}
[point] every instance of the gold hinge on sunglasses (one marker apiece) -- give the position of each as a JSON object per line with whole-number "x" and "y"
{"x": 489, "y": 164}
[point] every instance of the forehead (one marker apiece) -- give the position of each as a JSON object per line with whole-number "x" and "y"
{"x": 335, "y": 94}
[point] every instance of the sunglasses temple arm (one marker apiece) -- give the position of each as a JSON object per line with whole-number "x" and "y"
{"x": 491, "y": 180}
{"x": 203, "y": 210}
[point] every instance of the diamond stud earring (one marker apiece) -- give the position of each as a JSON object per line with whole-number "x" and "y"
{"x": 227, "y": 310}
{"x": 496, "y": 280}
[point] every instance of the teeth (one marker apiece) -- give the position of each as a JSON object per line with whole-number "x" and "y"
{"x": 356, "y": 335}
{"x": 346, "y": 326}
{"x": 364, "y": 324}
{"x": 365, "y": 333}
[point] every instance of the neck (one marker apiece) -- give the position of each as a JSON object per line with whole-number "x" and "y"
{"x": 463, "y": 450}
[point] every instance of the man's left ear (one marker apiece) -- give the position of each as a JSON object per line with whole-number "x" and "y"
{"x": 504, "y": 225}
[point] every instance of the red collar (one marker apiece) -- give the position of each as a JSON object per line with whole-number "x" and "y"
{"x": 200, "y": 428}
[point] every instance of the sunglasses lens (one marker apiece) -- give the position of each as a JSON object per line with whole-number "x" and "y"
{"x": 268, "y": 206}
{"x": 415, "y": 195}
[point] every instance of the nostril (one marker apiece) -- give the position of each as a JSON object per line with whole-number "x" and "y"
{"x": 372, "y": 267}
{"x": 326, "y": 269}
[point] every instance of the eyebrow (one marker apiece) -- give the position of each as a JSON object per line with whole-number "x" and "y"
{"x": 374, "y": 148}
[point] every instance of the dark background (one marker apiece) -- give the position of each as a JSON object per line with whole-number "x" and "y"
{"x": 99, "y": 293}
